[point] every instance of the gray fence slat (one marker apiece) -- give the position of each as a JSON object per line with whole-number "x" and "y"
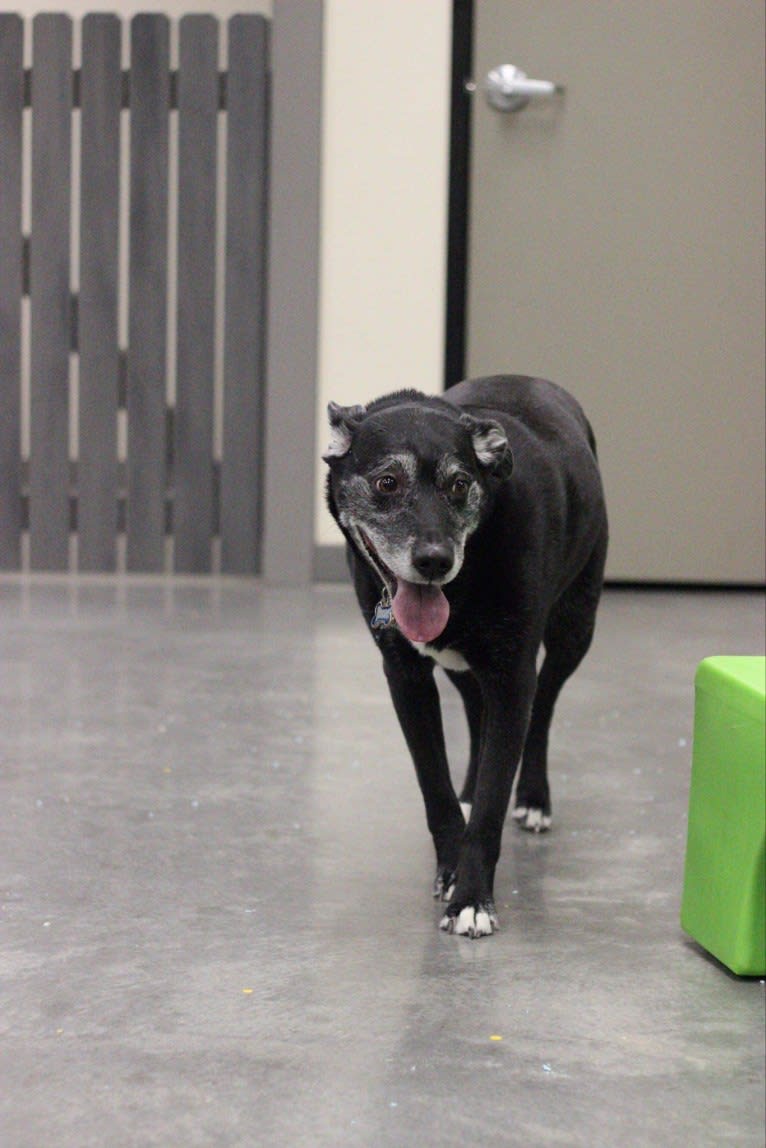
{"x": 245, "y": 309}
{"x": 100, "y": 93}
{"x": 50, "y": 292}
{"x": 294, "y": 201}
{"x": 146, "y": 464}
{"x": 11, "y": 104}
{"x": 198, "y": 114}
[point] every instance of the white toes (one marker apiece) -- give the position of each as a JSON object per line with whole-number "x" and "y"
{"x": 465, "y": 925}
{"x": 471, "y": 922}
{"x": 441, "y": 891}
{"x": 531, "y": 819}
{"x": 482, "y": 924}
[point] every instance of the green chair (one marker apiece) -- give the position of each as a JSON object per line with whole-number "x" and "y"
{"x": 724, "y": 896}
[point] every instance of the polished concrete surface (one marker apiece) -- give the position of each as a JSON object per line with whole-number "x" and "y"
{"x": 215, "y": 883}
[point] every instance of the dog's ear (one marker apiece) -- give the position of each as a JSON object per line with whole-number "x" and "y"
{"x": 490, "y": 444}
{"x": 343, "y": 423}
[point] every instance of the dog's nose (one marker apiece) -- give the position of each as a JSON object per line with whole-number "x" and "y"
{"x": 433, "y": 559}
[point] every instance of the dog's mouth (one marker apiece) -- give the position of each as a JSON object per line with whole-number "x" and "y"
{"x": 421, "y": 610}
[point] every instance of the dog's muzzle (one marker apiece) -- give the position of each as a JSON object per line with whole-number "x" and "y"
{"x": 420, "y": 609}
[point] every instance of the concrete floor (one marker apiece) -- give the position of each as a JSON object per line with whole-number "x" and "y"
{"x": 215, "y": 881}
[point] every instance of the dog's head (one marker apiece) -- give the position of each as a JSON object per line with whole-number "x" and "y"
{"x": 409, "y": 478}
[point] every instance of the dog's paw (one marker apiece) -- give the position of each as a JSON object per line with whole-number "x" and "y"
{"x": 444, "y": 885}
{"x": 532, "y": 819}
{"x": 473, "y": 921}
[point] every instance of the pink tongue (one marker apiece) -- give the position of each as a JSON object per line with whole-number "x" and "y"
{"x": 421, "y": 612}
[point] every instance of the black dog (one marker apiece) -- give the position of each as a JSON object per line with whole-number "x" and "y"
{"x": 476, "y": 532}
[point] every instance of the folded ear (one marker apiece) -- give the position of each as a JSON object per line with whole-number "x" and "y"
{"x": 490, "y": 444}
{"x": 343, "y": 423}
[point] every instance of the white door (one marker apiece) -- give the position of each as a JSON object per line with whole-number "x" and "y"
{"x": 617, "y": 247}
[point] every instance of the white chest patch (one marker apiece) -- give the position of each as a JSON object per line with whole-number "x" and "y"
{"x": 447, "y": 659}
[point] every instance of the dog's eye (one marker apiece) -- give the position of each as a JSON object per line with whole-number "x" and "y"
{"x": 387, "y": 484}
{"x": 459, "y": 487}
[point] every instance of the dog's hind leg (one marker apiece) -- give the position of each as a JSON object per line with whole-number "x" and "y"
{"x": 470, "y": 691}
{"x": 567, "y": 639}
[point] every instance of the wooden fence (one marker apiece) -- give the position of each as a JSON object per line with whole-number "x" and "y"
{"x": 132, "y": 294}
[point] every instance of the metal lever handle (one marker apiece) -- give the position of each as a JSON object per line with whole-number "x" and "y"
{"x": 508, "y": 89}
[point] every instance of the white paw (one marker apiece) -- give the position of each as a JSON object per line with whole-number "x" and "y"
{"x": 473, "y": 921}
{"x": 531, "y": 819}
{"x": 443, "y": 887}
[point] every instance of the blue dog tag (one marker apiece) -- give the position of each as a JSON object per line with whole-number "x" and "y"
{"x": 383, "y": 616}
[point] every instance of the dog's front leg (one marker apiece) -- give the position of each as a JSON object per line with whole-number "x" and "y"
{"x": 416, "y": 701}
{"x": 507, "y": 706}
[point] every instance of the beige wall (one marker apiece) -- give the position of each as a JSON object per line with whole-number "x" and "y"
{"x": 384, "y": 204}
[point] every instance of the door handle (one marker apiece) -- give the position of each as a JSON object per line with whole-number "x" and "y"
{"x": 508, "y": 89}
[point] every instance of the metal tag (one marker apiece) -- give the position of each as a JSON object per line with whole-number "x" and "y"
{"x": 383, "y": 616}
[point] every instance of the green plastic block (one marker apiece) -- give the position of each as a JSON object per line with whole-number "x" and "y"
{"x": 724, "y": 897}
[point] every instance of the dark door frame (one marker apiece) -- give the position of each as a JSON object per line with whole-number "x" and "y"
{"x": 459, "y": 191}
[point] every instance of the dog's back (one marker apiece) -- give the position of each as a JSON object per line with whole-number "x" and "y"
{"x": 543, "y": 407}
